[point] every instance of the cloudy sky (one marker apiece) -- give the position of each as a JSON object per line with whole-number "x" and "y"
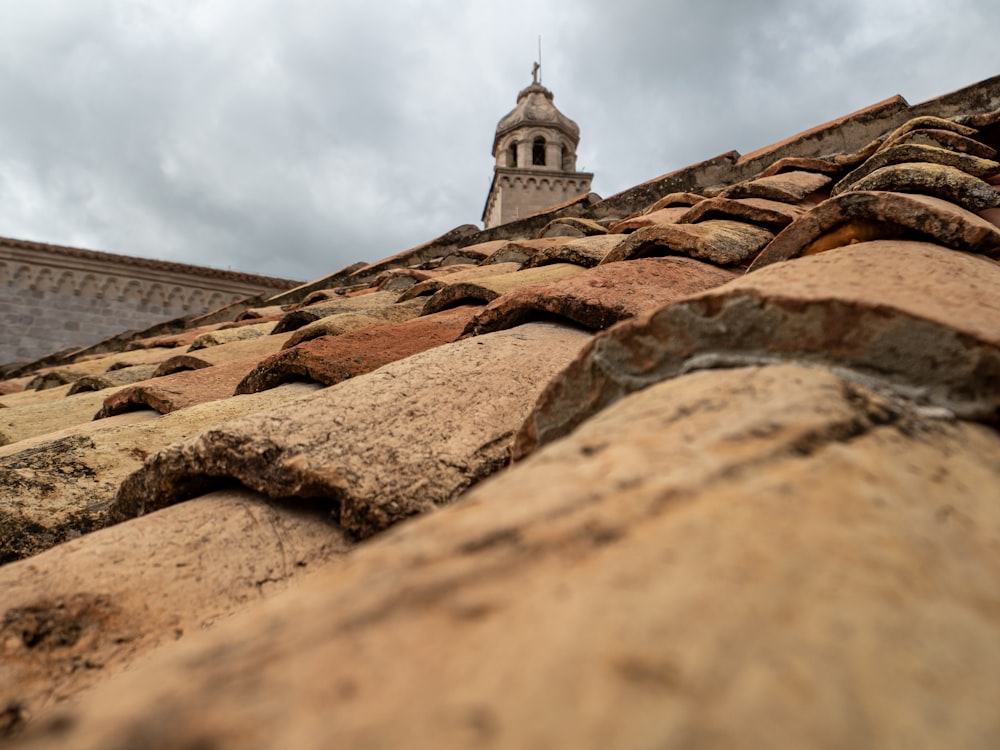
{"x": 291, "y": 137}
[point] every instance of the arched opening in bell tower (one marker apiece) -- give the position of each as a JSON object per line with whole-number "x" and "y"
{"x": 538, "y": 152}
{"x": 512, "y": 154}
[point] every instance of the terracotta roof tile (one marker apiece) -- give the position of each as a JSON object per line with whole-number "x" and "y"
{"x": 377, "y": 305}
{"x": 722, "y": 242}
{"x": 733, "y": 569}
{"x": 939, "y": 138}
{"x": 518, "y": 251}
{"x": 20, "y": 422}
{"x": 581, "y": 251}
{"x": 668, "y": 215}
{"x": 867, "y": 215}
{"x": 401, "y": 279}
{"x": 438, "y": 282}
{"x": 676, "y": 200}
{"x": 88, "y": 468}
{"x": 940, "y": 181}
{"x": 569, "y": 226}
{"x": 345, "y": 322}
{"x": 786, "y": 187}
{"x": 914, "y": 316}
{"x": 259, "y": 346}
{"x": 908, "y": 152}
{"x": 469, "y": 396}
{"x": 601, "y": 296}
{"x": 23, "y": 398}
{"x": 53, "y": 377}
{"x": 179, "y": 390}
{"x": 14, "y": 385}
{"x": 229, "y": 335}
{"x": 330, "y": 359}
{"x": 113, "y": 378}
{"x": 773, "y": 215}
{"x": 802, "y": 164}
{"x": 256, "y": 313}
{"x": 488, "y": 288}
{"x": 101, "y": 586}
{"x": 174, "y": 340}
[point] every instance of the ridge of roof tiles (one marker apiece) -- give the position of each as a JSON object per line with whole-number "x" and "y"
{"x": 726, "y": 439}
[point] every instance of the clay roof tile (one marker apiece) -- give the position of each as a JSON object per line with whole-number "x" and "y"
{"x": 722, "y": 242}
{"x": 867, "y": 215}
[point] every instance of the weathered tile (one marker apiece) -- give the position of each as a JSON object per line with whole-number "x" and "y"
{"x": 805, "y": 553}
{"x": 20, "y": 422}
{"x": 907, "y": 152}
{"x": 949, "y": 183}
{"x": 801, "y": 164}
{"x": 675, "y": 200}
{"x": 519, "y": 251}
{"x": 341, "y": 323}
{"x": 331, "y": 359}
{"x": 54, "y": 490}
{"x": 585, "y": 252}
{"x": 183, "y": 339}
{"x": 52, "y": 377}
{"x": 668, "y": 215}
{"x": 722, "y": 242}
{"x": 785, "y": 187}
{"x": 773, "y": 215}
{"x": 113, "y": 378}
{"x": 601, "y": 296}
{"x": 14, "y": 385}
{"x": 225, "y": 353}
{"x": 981, "y": 119}
{"x": 386, "y": 445}
{"x": 381, "y": 305}
{"x": 108, "y": 598}
{"x": 570, "y": 226}
{"x": 25, "y": 398}
{"x": 480, "y": 251}
{"x": 926, "y": 122}
{"x": 401, "y": 279}
{"x": 912, "y": 316}
{"x": 429, "y": 286}
{"x": 486, "y": 289}
{"x": 258, "y": 313}
{"x": 181, "y": 363}
{"x": 945, "y": 139}
{"x": 869, "y": 215}
{"x": 179, "y": 390}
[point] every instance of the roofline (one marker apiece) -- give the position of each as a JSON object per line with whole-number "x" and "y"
{"x": 187, "y": 269}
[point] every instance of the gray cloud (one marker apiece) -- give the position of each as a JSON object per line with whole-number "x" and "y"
{"x": 293, "y": 137}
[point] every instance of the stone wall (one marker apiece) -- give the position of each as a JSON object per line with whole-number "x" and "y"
{"x": 53, "y": 298}
{"x": 517, "y": 193}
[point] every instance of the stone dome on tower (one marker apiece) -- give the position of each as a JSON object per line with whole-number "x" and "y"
{"x": 535, "y": 108}
{"x": 535, "y": 158}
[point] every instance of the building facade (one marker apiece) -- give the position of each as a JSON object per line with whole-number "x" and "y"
{"x": 53, "y": 297}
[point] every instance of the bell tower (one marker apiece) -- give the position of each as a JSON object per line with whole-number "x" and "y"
{"x": 535, "y": 158}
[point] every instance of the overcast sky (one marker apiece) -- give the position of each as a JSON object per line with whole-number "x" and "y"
{"x": 291, "y": 137}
